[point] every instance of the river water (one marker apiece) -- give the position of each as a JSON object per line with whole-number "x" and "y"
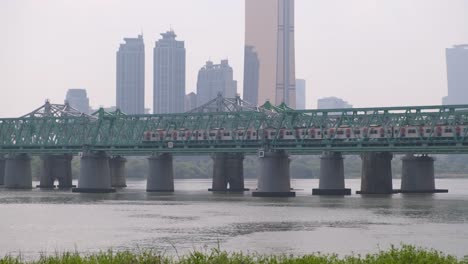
{"x": 38, "y": 221}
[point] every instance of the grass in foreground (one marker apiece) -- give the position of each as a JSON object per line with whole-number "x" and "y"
{"x": 404, "y": 255}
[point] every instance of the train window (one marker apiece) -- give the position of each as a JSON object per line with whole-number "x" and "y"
{"x": 374, "y": 132}
{"x": 227, "y": 134}
{"x": 273, "y": 133}
{"x": 289, "y": 133}
{"x": 448, "y": 130}
{"x": 340, "y": 132}
{"x": 357, "y": 132}
{"x": 153, "y": 135}
{"x": 254, "y": 134}
{"x": 182, "y": 134}
{"x": 168, "y": 135}
{"x": 411, "y": 131}
{"x": 325, "y": 132}
{"x": 428, "y": 130}
{"x": 212, "y": 134}
{"x": 241, "y": 134}
{"x": 319, "y": 133}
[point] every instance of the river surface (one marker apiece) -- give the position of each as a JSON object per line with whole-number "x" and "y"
{"x": 38, "y": 221}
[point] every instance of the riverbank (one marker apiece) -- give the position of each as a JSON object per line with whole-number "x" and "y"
{"x": 395, "y": 255}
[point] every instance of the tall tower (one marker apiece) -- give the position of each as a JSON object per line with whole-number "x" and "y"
{"x": 131, "y": 76}
{"x": 214, "y": 79}
{"x": 269, "y": 56}
{"x": 169, "y": 75}
{"x": 457, "y": 75}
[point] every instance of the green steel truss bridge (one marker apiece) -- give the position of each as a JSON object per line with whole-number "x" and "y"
{"x": 232, "y": 125}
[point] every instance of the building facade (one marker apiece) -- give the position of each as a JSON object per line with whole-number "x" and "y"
{"x": 457, "y": 75}
{"x": 78, "y": 99}
{"x": 300, "y": 94}
{"x": 169, "y": 75}
{"x": 190, "y": 101}
{"x": 131, "y": 76}
{"x": 332, "y": 103}
{"x": 269, "y": 54}
{"x": 214, "y": 79}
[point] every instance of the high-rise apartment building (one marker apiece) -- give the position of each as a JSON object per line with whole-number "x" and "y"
{"x": 332, "y": 103}
{"x": 78, "y": 99}
{"x": 457, "y": 75}
{"x": 131, "y": 76}
{"x": 269, "y": 56}
{"x": 300, "y": 94}
{"x": 214, "y": 79}
{"x": 169, "y": 75}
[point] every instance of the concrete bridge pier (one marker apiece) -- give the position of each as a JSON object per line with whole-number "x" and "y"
{"x": 2, "y": 170}
{"x": 274, "y": 179}
{"x": 228, "y": 169}
{"x": 332, "y": 180}
{"x": 118, "y": 172}
{"x": 376, "y": 173}
{"x": 18, "y": 172}
{"x": 94, "y": 174}
{"x": 161, "y": 173}
{"x": 418, "y": 175}
{"x": 56, "y": 167}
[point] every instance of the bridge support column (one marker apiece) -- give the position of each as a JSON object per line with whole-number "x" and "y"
{"x": 18, "y": 172}
{"x": 56, "y": 167}
{"x": 228, "y": 169}
{"x": 94, "y": 174}
{"x": 2, "y": 170}
{"x": 418, "y": 175}
{"x": 332, "y": 180}
{"x": 274, "y": 179}
{"x": 161, "y": 173}
{"x": 118, "y": 172}
{"x": 376, "y": 173}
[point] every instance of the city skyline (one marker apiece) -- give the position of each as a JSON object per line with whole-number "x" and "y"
{"x": 382, "y": 50}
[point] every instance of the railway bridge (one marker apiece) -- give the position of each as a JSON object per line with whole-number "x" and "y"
{"x": 228, "y": 129}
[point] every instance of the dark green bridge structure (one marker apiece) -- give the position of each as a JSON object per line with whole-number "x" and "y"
{"x": 228, "y": 129}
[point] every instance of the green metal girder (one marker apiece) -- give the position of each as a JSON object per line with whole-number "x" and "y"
{"x": 123, "y": 134}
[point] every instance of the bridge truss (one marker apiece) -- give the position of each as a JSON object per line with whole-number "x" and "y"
{"x": 60, "y": 129}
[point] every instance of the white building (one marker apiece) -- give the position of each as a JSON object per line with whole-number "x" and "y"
{"x": 300, "y": 94}
{"x": 214, "y": 79}
{"x": 131, "y": 76}
{"x": 332, "y": 103}
{"x": 169, "y": 75}
{"x": 457, "y": 75}
{"x": 78, "y": 99}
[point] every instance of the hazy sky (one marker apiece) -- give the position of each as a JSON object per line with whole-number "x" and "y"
{"x": 369, "y": 52}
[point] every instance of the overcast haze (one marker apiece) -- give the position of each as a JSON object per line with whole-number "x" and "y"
{"x": 368, "y": 52}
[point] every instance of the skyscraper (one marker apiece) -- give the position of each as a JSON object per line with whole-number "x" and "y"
{"x": 269, "y": 56}
{"x": 78, "y": 99}
{"x": 169, "y": 75}
{"x": 214, "y": 79}
{"x": 300, "y": 94}
{"x": 457, "y": 75}
{"x": 131, "y": 76}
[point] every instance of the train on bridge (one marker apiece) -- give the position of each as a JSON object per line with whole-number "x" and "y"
{"x": 340, "y": 133}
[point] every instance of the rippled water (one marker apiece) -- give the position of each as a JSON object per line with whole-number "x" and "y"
{"x": 38, "y": 221}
